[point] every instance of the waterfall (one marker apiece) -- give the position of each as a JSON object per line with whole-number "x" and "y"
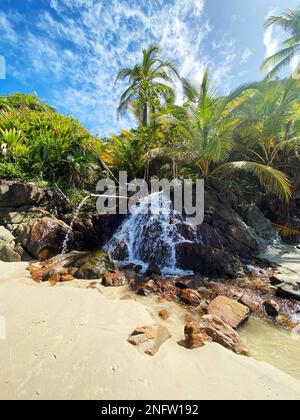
{"x": 150, "y": 234}
{"x": 70, "y": 229}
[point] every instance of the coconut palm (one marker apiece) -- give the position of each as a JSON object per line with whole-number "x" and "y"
{"x": 208, "y": 122}
{"x": 290, "y": 23}
{"x": 147, "y": 83}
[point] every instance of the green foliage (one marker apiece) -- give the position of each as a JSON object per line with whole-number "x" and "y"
{"x": 290, "y": 23}
{"x": 149, "y": 85}
{"x": 44, "y": 144}
{"x": 10, "y": 171}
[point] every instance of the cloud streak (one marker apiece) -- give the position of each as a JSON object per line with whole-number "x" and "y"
{"x": 77, "y": 46}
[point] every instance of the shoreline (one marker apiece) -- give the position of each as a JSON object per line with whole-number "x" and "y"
{"x": 64, "y": 342}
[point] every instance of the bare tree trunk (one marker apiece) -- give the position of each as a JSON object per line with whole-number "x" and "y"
{"x": 145, "y": 115}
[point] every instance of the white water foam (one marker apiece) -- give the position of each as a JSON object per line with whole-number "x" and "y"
{"x": 150, "y": 234}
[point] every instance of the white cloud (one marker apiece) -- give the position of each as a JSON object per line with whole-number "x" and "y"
{"x": 77, "y": 47}
{"x": 247, "y": 53}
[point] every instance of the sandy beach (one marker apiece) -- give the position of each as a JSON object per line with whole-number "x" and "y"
{"x": 70, "y": 342}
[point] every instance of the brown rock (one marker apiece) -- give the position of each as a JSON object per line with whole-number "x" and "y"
{"x": 211, "y": 328}
{"x": 114, "y": 280}
{"x": 271, "y": 308}
{"x": 147, "y": 288}
{"x": 164, "y": 314}
{"x": 252, "y": 301}
{"x": 190, "y": 297}
{"x": 229, "y": 311}
{"x": 149, "y": 338}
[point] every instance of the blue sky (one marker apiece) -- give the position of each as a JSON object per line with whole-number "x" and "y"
{"x": 69, "y": 51}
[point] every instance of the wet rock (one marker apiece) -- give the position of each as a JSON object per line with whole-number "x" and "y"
{"x": 252, "y": 301}
{"x": 271, "y": 308}
{"x": 203, "y": 259}
{"x": 95, "y": 266}
{"x": 149, "y": 338}
{"x": 289, "y": 291}
{"x": 190, "y": 297}
{"x": 115, "y": 280}
{"x": 164, "y": 314}
{"x": 275, "y": 281}
{"x": 147, "y": 288}
{"x": 229, "y": 311}
{"x": 135, "y": 268}
{"x": 212, "y": 329}
{"x": 15, "y": 194}
{"x": 153, "y": 269}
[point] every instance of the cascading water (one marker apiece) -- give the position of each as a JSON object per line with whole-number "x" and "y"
{"x": 70, "y": 229}
{"x": 150, "y": 234}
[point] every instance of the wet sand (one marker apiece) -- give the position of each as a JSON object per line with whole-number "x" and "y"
{"x": 70, "y": 342}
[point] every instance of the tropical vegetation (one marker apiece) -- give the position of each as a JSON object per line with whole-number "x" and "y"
{"x": 249, "y": 136}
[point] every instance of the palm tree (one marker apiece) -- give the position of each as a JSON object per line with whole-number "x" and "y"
{"x": 208, "y": 123}
{"x": 147, "y": 83}
{"x": 290, "y": 23}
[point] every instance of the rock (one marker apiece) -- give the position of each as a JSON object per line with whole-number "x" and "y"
{"x": 190, "y": 297}
{"x": 275, "y": 281}
{"x": 211, "y": 328}
{"x": 229, "y": 311}
{"x": 153, "y": 269}
{"x": 271, "y": 308}
{"x": 115, "y": 280}
{"x": 6, "y": 237}
{"x": 7, "y": 254}
{"x": 149, "y": 338}
{"x": 39, "y": 233}
{"x": 254, "y": 218}
{"x": 204, "y": 259}
{"x": 8, "y": 251}
{"x": 95, "y": 266}
{"x": 289, "y": 291}
{"x": 164, "y": 314}
{"x": 252, "y": 301}
{"x": 147, "y": 288}
{"x": 15, "y": 194}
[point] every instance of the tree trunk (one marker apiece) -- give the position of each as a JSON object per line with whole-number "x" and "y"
{"x": 145, "y": 115}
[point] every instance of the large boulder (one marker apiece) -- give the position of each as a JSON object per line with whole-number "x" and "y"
{"x": 206, "y": 260}
{"x": 254, "y": 218}
{"x": 212, "y": 329}
{"x": 16, "y": 194}
{"x": 95, "y": 266}
{"x": 228, "y": 310}
{"x": 39, "y": 233}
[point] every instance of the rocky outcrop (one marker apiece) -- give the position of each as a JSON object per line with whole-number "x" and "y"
{"x": 149, "y": 338}
{"x": 39, "y": 233}
{"x": 16, "y": 194}
{"x": 263, "y": 228}
{"x": 204, "y": 259}
{"x": 212, "y": 329}
{"x": 229, "y": 311}
{"x": 81, "y": 266}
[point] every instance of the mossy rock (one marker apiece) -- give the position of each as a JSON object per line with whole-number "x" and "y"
{"x": 94, "y": 266}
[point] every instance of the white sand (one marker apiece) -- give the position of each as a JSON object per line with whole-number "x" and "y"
{"x": 288, "y": 258}
{"x": 65, "y": 342}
